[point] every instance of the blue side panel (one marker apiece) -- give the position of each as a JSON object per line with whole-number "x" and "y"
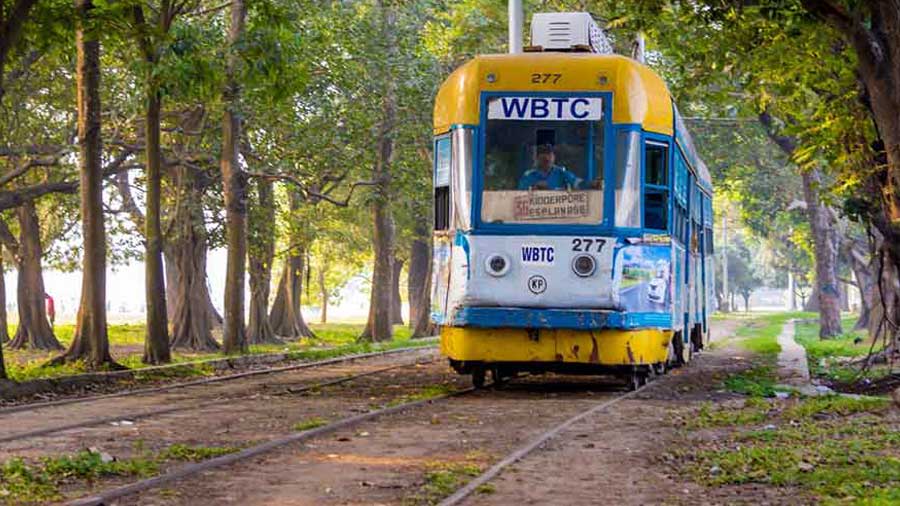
{"x": 678, "y": 308}
{"x": 515, "y": 317}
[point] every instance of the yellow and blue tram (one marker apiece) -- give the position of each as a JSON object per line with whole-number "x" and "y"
{"x": 572, "y": 220}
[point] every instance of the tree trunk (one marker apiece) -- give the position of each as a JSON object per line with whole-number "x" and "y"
{"x": 90, "y": 342}
{"x": 811, "y": 303}
{"x": 234, "y": 185}
{"x": 825, "y": 247}
{"x": 34, "y": 329}
{"x": 156, "y": 342}
{"x": 286, "y": 318}
{"x": 172, "y": 289}
{"x": 187, "y": 248}
{"x": 378, "y": 327}
{"x": 416, "y": 276}
{"x": 4, "y": 321}
{"x": 396, "y": 301}
{"x": 323, "y": 293}
{"x": 262, "y": 253}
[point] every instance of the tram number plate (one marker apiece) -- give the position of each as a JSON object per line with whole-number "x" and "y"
{"x": 587, "y": 244}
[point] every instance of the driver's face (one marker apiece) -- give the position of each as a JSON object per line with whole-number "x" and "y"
{"x": 545, "y": 160}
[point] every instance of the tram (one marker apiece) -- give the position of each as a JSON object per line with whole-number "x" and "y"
{"x": 573, "y": 217}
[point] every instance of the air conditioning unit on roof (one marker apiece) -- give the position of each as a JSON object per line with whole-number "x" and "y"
{"x": 568, "y": 31}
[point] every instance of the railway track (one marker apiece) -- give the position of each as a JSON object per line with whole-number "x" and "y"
{"x": 189, "y": 470}
{"x": 131, "y": 416}
{"x": 207, "y": 381}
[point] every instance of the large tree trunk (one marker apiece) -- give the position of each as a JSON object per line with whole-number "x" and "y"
{"x": 156, "y": 342}
{"x": 234, "y": 184}
{"x": 262, "y": 253}
{"x": 34, "y": 329}
{"x": 419, "y": 281}
{"x": 172, "y": 289}
{"x": 90, "y": 343}
{"x": 187, "y": 247}
{"x": 286, "y": 318}
{"x": 825, "y": 247}
{"x": 378, "y": 327}
{"x": 396, "y": 301}
{"x": 415, "y": 278}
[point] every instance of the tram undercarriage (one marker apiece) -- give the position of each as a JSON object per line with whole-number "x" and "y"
{"x": 633, "y": 355}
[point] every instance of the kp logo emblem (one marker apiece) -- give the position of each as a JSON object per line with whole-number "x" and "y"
{"x": 537, "y": 284}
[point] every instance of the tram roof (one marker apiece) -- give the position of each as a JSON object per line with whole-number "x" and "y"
{"x": 639, "y": 95}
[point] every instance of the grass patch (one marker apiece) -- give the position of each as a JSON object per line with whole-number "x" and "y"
{"x": 758, "y": 381}
{"x": 309, "y": 424}
{"x": 444, "y": 478}
{"x": 333, "y": 340}
{"x": 428, "y": 392}
{"x": 195, "y": 453}
{"x": 755, "y": 410}
{"x": 829, "y": 358}
{"x": 760, "y": 334}
{"x": 38, "y": 483}
{"x": 833, "y": 449}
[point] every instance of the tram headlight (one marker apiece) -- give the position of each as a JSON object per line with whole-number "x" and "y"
{"x": 584, "y": 265}
{"x": 497, "y": 265}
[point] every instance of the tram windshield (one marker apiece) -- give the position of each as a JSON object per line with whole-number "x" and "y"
{"x": 543, "y": 172}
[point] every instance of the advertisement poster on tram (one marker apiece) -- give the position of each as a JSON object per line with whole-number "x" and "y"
{"x": 646, "y": 278}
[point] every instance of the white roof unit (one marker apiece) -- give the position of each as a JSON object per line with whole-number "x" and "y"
{"x": 568, "y": 31}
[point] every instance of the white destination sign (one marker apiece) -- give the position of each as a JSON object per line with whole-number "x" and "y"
{"x": 546, "y": 108}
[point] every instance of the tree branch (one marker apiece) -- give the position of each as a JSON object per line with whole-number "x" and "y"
{"x": 309, "y": 193}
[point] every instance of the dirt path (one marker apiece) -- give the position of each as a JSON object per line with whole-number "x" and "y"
{"x": 619, "y": 457}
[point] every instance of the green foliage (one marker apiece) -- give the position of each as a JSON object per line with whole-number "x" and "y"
{"x": 828, "y": 358}
{"x": 442, "y": 479}
{"x": 309, "y": 424}
{"x": 755, "y": 410}
{"x": 757, "y": 382}
{"x": 195, "y": 453}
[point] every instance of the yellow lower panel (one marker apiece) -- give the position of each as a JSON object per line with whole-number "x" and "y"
{"x": 606, "y": 347}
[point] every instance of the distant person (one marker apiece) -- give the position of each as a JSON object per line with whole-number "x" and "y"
{"x": 51, "y": 308}
{"x": 546, "y": 175}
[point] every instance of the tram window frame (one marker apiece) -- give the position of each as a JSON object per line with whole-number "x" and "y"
{"x": 656, "y": 189}
{"x": 680, "y": 200}
{"x": 443, "y": 145}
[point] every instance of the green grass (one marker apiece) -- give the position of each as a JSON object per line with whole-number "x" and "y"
{"x": 333, "y": 340}
{"x": 309, "y": 424}
{"x": 195, "y": 453}
{"x": 758, "y": 381}
{"x": 425, "y": 393}
{"x": 837, "y": 449}
{"x": 39, "y": 482}
{"x": 760, "y": 334}
{"x": 442, "y": 479}
{"x": 828, "y": 357}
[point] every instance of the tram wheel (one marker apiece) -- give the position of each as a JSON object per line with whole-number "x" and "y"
{"x": 497, "y": 378}
{"x": 636, "y": 380}
{"x": 478, "y": 377}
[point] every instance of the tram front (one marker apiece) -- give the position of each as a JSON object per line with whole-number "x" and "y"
{"x": 551, "y": 215}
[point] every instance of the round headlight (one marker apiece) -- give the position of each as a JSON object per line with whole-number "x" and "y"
{"x": 497, "y": 265}
{"x": 584, "y": 265}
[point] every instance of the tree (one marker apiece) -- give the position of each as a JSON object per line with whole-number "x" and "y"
{"x": 262, "y": 254}
{"x": 90, "y": 342}
{"x": 234, "y": 182}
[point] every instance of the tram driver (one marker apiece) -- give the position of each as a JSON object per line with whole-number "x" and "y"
{"x": 546, "y": 175}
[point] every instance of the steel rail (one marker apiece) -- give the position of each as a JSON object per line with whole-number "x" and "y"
{"x": 465, "y": 491}
{"x": 207, "y": 381}
{"x": 158, "y": 412}
{"x": 187, "y": 470}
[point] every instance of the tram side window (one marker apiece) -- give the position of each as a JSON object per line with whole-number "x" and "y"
{"x": 442, "y": 183}
{"x": 628, "y": 179}
{"x": 656, "y": 189}
{"x": 680, "y": 218}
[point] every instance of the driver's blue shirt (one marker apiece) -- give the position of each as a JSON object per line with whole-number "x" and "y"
{"x": 558, "y": 178}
